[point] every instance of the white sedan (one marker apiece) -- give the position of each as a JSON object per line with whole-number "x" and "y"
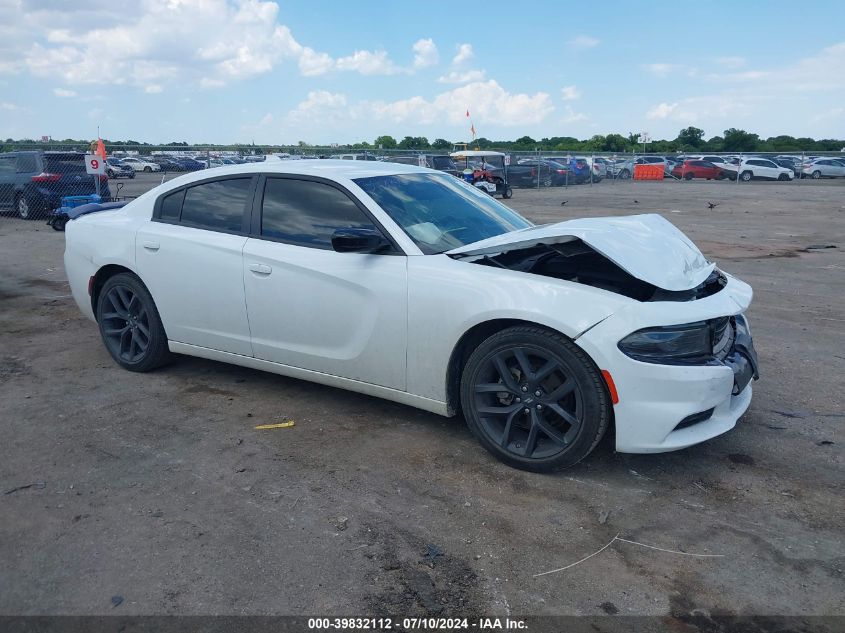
{"x": 411, "y": 285}
{"x": 139, "y": 164}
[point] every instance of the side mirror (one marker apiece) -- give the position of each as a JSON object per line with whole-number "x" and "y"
{"x": 357, "y": 240}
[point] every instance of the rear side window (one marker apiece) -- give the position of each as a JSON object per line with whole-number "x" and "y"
{"x": 171, "y": 206}
{"x": 217, "y": 205}
{"x": 64, "y": 163}
{"x": 7, "y": 164}
{"x": 306, "y": 213}
{"x": 26, "y": 164}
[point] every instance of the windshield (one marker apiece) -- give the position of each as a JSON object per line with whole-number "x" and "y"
{"x": 440, "y": 212}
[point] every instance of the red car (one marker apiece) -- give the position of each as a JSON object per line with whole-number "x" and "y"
{"x": 690, "y": 169}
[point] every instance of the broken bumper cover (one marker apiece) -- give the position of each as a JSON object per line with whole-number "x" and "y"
{"x": 657, "y": 402}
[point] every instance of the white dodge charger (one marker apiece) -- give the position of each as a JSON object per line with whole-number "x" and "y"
{"x": 411, "y": 285}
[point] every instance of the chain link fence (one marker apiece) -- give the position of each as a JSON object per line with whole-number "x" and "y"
{"x": 37, "y": 178}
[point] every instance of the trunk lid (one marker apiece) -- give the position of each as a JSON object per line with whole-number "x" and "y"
{"x": 647, "y": 246}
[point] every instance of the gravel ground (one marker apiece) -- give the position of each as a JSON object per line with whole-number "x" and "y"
{"x": 158, "y": 489}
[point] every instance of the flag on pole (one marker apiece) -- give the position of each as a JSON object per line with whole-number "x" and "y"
{"x": 472, "y": 129}
{"x": 467, "y": 113}
{"x": 101, "y": 149}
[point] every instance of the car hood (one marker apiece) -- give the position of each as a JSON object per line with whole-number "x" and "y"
{"x": 647, "y": 246}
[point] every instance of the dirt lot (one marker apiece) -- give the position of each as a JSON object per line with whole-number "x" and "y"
{"x": 157, "y": 488}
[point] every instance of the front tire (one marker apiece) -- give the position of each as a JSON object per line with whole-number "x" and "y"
{"x": 148, "y": 170}
{"x": 130, "y": 324}
{"x": 507, "y": 193}
{"x": 534, "y": 399}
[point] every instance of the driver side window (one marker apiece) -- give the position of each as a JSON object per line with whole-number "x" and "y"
{"x": 306, "y": 213}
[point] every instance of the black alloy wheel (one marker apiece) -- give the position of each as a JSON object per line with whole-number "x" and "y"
{"x": 130, "y": 324}
{"x": 534, "y": 399}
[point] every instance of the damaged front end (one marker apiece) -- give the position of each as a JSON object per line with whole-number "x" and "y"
{"x": 578, "y": 262}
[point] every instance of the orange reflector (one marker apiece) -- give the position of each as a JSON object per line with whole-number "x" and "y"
{"x": 611, "y": 386}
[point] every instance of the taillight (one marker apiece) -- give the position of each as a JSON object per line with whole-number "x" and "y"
{"x": 561, "y": 171}
{"x": 46, "y": 177}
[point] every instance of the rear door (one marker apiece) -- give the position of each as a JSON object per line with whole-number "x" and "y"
{"x": 343, "y": 314}
{"x": 190, "y": 256}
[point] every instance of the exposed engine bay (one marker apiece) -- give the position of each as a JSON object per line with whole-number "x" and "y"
{"x": 577, "y": 262}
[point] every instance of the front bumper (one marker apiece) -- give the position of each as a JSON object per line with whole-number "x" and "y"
{"x": 656, "y": 401}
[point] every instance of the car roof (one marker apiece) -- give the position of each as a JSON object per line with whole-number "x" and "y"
{"x": 327, "y": 168}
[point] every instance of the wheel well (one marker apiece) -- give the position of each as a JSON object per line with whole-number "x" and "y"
{"x": 471, "y": 339}
{"x": 100, "y": 279}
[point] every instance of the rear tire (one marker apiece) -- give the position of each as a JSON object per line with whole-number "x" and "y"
{"x": 746, "y": 176}
{"x": 534, "y": 399}
{"x": 130, "y": 325}
{"x": 817, "y": 174}
{"x": 689, "y": 176}
{"x": 22, "y": 208}
{"x": 507, "y": 193}
{"x": 624, "y": 174}
{"x": 148, "y": 170}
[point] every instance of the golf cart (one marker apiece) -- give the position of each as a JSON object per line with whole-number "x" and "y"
{"x": 486, "y": 170}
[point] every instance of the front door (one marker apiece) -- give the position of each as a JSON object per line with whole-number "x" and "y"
{"x": 343, "y": 314}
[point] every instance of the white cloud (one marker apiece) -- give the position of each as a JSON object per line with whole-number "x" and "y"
{"x": 267, "y": 119}
{"x": 153, "y": 89}
{"x": 320, "y": 106}
{"x": 209, "y": 43}
{"x": 488, "y": 102}
{"x": 583, "y": 42}
{"x": 61, "y": 92}
{"x": 312, "y": 63}
{"x": 464, "y": 54}
{"x": 9, "y": 107}
{"x": 368, "y": 63}
{"x": 570, "y": 93}
{"x": 572, "y": 116}
{"x": 461, "y": 77}
{"x": 425, "y": 53}
{"x": 661, "y": 70}
{"x": 661, "y": 110}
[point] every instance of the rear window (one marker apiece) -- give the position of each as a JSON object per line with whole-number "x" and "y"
{"x": 63, "y": 163}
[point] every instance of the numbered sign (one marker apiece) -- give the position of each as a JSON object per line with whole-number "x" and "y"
{"x": 94, "y": 164}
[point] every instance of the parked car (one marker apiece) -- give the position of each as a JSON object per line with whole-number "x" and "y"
{"x": 579, "y": 168}
{"x": 141, "y": 164}
{"x": 731, "y": 169}
{"x": 598, "y": 168}
{"x": 33, "y": 183}
{"x": 353, "y": 156}
{"x": 763, "y": 168}
{"x": 690, "y": 169}
{"x": 167, "y": 163}
{"x": 116, "y": 168}
{"x": 822, "y": 168}
{"x": 794, "y": 165}
{"x": 189, "y": 164}
{"x": 413, "y": 286}
{"x": 621, "y": 168}
{"x": 527, "y": 172}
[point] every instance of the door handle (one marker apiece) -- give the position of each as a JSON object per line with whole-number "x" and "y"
{"x": 261, "y": 269}
{"x": 151, "y": 246}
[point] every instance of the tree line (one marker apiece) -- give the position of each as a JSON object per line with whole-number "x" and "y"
{"x": 688, "y": 139}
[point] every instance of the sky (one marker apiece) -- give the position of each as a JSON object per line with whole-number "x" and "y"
{"x": 322, "y": 71}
